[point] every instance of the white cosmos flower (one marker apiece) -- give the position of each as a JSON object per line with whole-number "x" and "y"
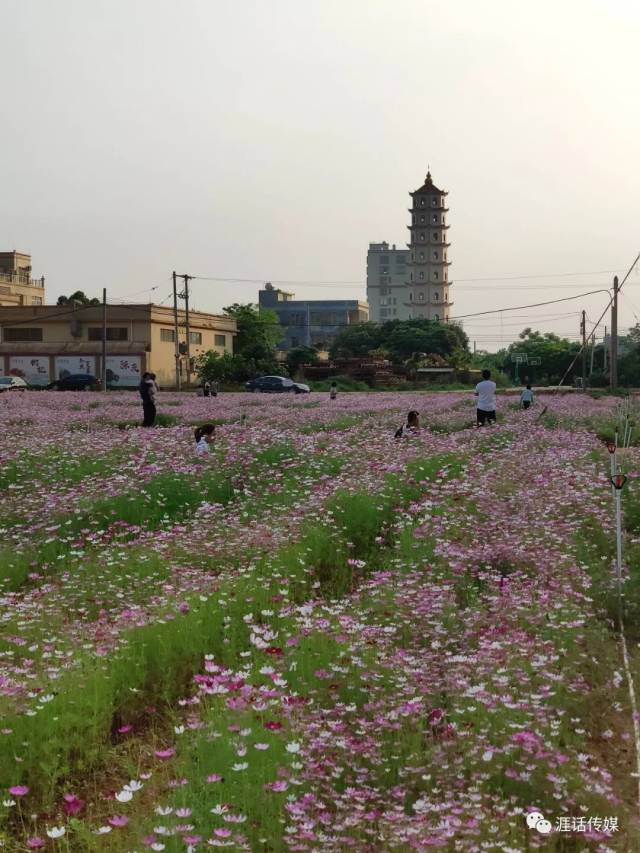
{"x": 242, "y": 765}
{"x": 294, "y": 746}
{"x": 56, "y": 832}
{"x": 8, "y": 803}
{"x": 163, "y": 810}
{"x": 102, "y": 830}
{"x": 219, "y": 809}
{"x": 133, "y": 785}
{"x": 124, "y": 796}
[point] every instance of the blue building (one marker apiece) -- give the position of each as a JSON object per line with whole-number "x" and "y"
{"x": 311, "y": 322}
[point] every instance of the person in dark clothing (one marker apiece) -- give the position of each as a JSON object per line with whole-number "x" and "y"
{"x": 147, "y": 390}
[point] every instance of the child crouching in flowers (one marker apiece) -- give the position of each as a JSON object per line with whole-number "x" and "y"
{"x": 411, "y": 426}
{"x": 204, "y": 436}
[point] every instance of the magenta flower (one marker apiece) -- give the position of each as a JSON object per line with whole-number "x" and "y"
{"x": 165, "y": 754}
{"x": 35, "y": 843}
{"x": 72, "y": 805}
{"x": 214, "y": 777}
{"x": 19, "y": 791}
{"x": 118, "y": 820}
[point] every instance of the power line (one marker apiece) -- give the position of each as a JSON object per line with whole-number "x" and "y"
{"x": 533, "y": 305}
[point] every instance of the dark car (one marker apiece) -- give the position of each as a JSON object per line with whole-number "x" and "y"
{"x": 276, "y": 385}
{"x": 74, "y": 382}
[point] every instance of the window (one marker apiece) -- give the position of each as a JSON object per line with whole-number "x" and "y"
{"x": 395, "y": 302}
{"x": 433, "y": 202}
{"x": 36, "y": 300}
{"x": 421, "y": 276}
{"x": 436, "y": 296}
{"x": 435, "y": 256}
{"x": 22, "y": 334}
{"x": 384, "y": 312}
{"x": 436, "y": 317}
{"x": 295, "y": 342}
{"x": 411, "y": 277}
{"x": 168, "y": 335}
{"x": 421, "y": 202}
{"x": 384, "y": 259}
{"x": 195, "y": 337}
{"x": 435, "y": 219}
{"x": 422, "y": 235}
{"x": 421, "y": 219}
{"x": 220, "y": 340}
{"x": 421, "y": 297}
{"x": 446, "y": 275}
{"x": 435, "y": 236}
{"x": 422, "y": 256}
{"x": 114, "y": 333}
{"x": 435, "y": 276}
{"x": 410, "y": 296}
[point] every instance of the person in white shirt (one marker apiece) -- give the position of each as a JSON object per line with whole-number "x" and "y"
{"x": 526, "y": 398}
{"x": 204, "y": 436}
{"x": 486, "y": 394}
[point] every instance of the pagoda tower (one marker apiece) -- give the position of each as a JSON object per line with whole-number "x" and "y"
{"x": 428, "y": 265}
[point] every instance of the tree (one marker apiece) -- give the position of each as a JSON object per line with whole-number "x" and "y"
{"x": 254, "y": 347}
{"x": 78, "y": 298}
{"x": 556, "y": 355}
{"x": 357, "y": 341}
{"x": 300, "y": 355}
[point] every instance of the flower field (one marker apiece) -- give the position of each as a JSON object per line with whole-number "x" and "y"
{"x": 317, "y": 638}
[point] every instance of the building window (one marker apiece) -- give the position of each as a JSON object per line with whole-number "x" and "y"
{"x": 410, "y": 296}
{"x": 36, "y": 300}
{"x": 435, "y": 219}
{"x": 384, "y": 259}
{"x": 435, "y": 236}
{"x": 436, "y": 297}
{"x": 435, "y": 276}
{"x": 114, "y": 333}
{"x": 395, "y": 302}
{"x": 220, "y": 340}
{"x": 421, "y": 297}
{"x": 421, "y": 219}
{"x": 295, "y": 342}
{"x": 384, "y": 312}
{"x": 422, "y": 256}
{"x": 195, "y": 337}
{"x": 422, "y": 235}
{"x": 22, "y": 334}
{"x": 411, "y": 277}
{"x": 435, "y": 256}
{"x": 421, "y": 276}
{"x": 168, "y": 335}
{"x": 436, "y": 317}
{"x": 433, "y": 202}
{"x": 446, "y": 275}
{"x": 421, "y": 202}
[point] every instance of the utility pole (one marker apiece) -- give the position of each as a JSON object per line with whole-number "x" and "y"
{"x": 613, "y": 369}
{"x": 175, "y": 329}
{"x": 104, "y": 338}
{"x": 186, "y": 311}
{"x": 604, "y": 352}
{"x": 593, "y": 352}
{"x": 583, "y": 329}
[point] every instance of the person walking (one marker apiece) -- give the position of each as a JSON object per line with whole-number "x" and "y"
{"x": 333, "y": 391}
{"x": 147, "y": 389}
{"x": 486, "y": 402}
{"x": 526, "y": 398}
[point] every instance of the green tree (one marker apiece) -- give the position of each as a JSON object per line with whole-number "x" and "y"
{"x": 79, "y": 298}
{"x": 254, "y": 347}
{"x": 556, "y": 355}
{"x": 406, "y": 338}
{"x": 357, "y": 341}
{"x": 300, "y": 355}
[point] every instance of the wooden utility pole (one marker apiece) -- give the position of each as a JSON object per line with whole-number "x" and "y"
{"x": 583, "y": 329}
{"x": 613, "y": 368}
{"x": 175, "y": 329}
{"x": 188, "y": 329}
{"x": 104, "y": 338}
{"x": 604, "y": 352}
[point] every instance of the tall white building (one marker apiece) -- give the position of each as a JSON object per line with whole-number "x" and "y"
{"x": 387, "y": 274}
{"x": 428, "y": 281}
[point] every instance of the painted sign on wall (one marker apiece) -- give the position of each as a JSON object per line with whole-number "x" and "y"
{"x": 68, "y": 365}
{"x": 123, "y": 370}
{"x": 32, "y": 368}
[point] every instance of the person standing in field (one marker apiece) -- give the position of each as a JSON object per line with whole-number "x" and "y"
{"x": 486, "y": 402}
{"x": 333, "y": 391}
{"x": 147, "y": 389}
{"x": 526, "y": 398}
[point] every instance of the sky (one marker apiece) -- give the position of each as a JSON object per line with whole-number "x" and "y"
{"x": 273, "y": 140}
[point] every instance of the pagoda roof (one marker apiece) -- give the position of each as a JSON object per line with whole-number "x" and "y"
{"x": 429, "y": 187}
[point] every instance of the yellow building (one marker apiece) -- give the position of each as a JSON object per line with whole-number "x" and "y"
{"x": 43, "y": 343}
{"x": 16, "y": 285}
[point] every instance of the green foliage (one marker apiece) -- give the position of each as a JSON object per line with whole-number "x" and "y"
{"x": 79, "y": 298}
{"x": 254, "y": 348}
{"x": 555, "y": 354}
{"x": 300, "y": 355}
{"x": 403, "y": 339}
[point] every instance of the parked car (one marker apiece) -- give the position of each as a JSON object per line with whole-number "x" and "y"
{"x": 12, "y": 383}
{"x": 276, "y": 385}
{"x": 74, "y": 382}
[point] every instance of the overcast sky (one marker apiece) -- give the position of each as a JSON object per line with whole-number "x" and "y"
{"x": 274, "y": 139}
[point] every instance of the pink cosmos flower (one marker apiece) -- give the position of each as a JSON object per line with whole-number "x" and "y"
{"x": 222, "y": 832}
{"x": 118, "y": 820}
{"x": 35, "y": 843}
{"x": 123, "y": 730}
{"x": 165, "y": 754}
{"x": 214, "y": 777}
{"x": 19, "y": 791}
{"x": 72, "y": 805}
